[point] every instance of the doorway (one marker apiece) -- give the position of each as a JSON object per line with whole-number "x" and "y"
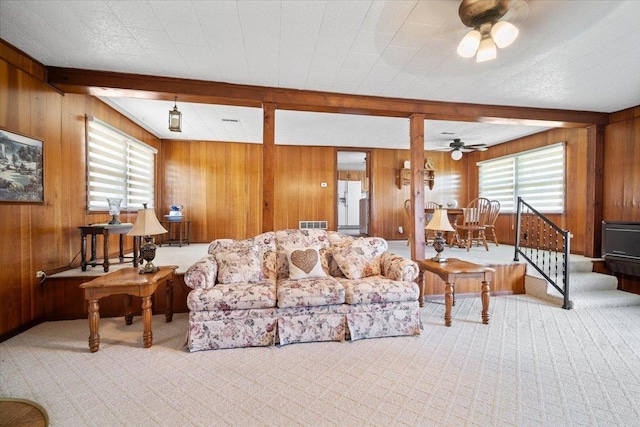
{"x": 353, "y": 201}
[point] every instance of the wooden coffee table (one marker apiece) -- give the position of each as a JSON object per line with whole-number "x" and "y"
{"x": 449, "y": 271}
{"x": 129, "y": 282}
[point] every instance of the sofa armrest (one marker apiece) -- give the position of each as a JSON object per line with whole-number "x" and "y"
{"x": 397, "y": 267}
{"x": 202, "y": 274}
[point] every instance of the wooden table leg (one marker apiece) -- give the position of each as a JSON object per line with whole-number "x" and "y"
{"x": 94, "y": 322}
{"x": 485, "y": 302}
{"x": 168, "y": 313}
{"x": 448, "y": 302}
{"x": 83, "y": 251}
{"x": 128, "y": 311}
{"x": 106, "y": 250}
{"x": 453, "y": 294}
{"x": 147, "y": 335}
{"x": 121, "y": 254}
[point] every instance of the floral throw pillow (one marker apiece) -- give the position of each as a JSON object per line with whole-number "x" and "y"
{"x": 357, "y": 260}
{"x": 304, "y": 263}
{"x": 239, "y": 266}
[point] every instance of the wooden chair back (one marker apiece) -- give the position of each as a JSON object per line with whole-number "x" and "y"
{"x": 475, "y": 215}
{"x": 492, "y": 213}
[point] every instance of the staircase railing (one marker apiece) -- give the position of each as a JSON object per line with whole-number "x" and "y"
{"x": 545, "y": 246}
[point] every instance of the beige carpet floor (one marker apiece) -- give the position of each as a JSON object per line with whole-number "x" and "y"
{"x": 533, "y": 365}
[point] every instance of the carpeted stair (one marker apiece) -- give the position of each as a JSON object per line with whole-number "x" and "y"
{"x": 586, "y": 288}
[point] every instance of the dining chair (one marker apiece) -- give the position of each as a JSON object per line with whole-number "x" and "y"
{"x": 492, "y": 216}
{"x": 472, "y": 228}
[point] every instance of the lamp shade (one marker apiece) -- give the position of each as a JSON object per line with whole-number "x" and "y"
{"x": 469, "y": 44}
{"x": 440, "y": 221}
{"x": 504, "y": 33}
{"x": 146, "y": 224}
{"x": 487, "y": 50}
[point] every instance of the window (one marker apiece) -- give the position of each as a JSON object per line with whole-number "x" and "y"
{"x": 118, "y": 166}
{"x": 538, "y": 176}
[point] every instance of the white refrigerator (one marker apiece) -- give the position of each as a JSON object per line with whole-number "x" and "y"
{"x": 349, "y": 195}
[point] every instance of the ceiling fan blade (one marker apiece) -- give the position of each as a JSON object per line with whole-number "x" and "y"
{"x": 466, "y": 150}
{"x": 482, "y": 148}
{"x": 476, "y": 146}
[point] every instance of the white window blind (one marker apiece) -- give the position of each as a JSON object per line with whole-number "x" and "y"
{"x": 118, "y": 166}
{"x": 538, "y": 176}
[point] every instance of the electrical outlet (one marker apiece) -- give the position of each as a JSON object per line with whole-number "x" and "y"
{"x": 39, "y": 274}
{"x": 400, "y": 230}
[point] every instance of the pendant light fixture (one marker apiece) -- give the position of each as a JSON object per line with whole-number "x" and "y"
{"x": 488, "y": 32}
{"x": 175, "y": 118}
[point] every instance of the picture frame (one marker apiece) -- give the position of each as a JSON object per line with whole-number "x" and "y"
{"x": 21, "y": 168}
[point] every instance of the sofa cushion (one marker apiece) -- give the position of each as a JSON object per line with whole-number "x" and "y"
{"x": 378, "y": 289}
{"x": 357, "y": 260}
{"x": 235, "y": 296}
{"x": 309, "y": 292}
{"x": 307, "y": 238}
{"x": 239, "y": 266}
{"x": 304, "y": 263}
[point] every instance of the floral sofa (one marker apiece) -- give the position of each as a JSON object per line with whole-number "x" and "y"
{"x": 298, "y": 285}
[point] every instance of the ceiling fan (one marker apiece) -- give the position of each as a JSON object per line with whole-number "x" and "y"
{"x": 457, "y": 147}
{"x": 492, "y": 23}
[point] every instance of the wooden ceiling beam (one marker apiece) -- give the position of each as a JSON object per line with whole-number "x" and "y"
{"x": 104, "y": 83}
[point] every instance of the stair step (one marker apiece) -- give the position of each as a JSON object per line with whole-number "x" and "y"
{"x": 585, "y": 290}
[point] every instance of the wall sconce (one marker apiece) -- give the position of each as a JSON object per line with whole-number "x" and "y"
{"x": 429, "y": 173}
{"x": 404, "y": 175}
{"x": 175, "y": 118}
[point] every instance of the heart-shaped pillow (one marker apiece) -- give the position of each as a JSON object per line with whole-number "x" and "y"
{"x": 304, "y": 263}
{"x": 305, "y": 260}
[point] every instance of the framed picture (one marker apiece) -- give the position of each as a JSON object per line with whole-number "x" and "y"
{"x": 21, "y": 169}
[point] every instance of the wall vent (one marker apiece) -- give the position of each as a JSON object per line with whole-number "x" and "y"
{"x": 320, "y": 225}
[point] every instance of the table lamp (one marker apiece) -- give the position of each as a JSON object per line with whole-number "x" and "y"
{"x": 146, "y": 226}
{"x": 439, "y": 223}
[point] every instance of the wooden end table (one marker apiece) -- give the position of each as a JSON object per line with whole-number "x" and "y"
{"x": 129, "y": 282}
{"x": 449, "y": 271}
{"x": 104, "y": 230}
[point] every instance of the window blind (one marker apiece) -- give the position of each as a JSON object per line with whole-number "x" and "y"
{"x": 118, "y": 166}
{"x": 538, "y": 176}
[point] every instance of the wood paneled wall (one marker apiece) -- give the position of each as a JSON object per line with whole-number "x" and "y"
{"x": 387, "y": 207}
{"x": 217, "y": 183}
{"x": 45, "y": 236}
{"x": 576, "y": 165}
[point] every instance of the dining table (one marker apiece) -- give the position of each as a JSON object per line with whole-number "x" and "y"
{"x": 452, "y": 214}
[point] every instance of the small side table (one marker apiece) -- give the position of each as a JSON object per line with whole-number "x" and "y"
{"x": 179, "y": 232}
{"x": 104, "y": 230}
{"x": 129, "y": 282}
{"x": 449, "y": 271}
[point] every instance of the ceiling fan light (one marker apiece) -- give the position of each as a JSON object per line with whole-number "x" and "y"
{"x": 456, "y": 154}
{"x": 504, "y": 33}
{"x": 469, "y": 44}
{"x": 487, "y": 50}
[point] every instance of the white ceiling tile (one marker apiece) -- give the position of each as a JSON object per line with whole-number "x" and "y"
{"x": 342, "y": 20}
{"x": 412, "y": 35}
{"x": 387, "y": 16}
{"x": 371, "y": 43}
{"x": 175, "y": 11}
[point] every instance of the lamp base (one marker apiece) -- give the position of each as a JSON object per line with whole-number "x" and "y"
{"x": 439, "y": 258}
{"x": 149, "y": 267}
{"x": 438, "y": 245}
{"x": 147, "y": 253}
